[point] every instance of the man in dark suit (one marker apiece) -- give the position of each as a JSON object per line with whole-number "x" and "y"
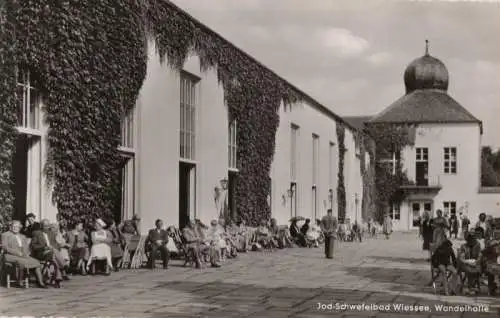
{"x": 157, "y": 242}
{"x": 329, "y": 228}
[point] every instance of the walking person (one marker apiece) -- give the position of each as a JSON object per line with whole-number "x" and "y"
{"x": 426, "y": 232}
{"x": 453, "y": 226}
{"x": 329, "y": 228}
{"x": 387, "y": 226}
{"x": 465, "y": 225}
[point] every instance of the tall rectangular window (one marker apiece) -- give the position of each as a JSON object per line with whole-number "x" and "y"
{"x": 395, "y": 211}
{"x": 422, "y": 166}
{"x": 233, "y": 145}
{"x": 450, "y": 160}
{"x": 294, "y": 152}
{"x": 127, "y": 134}
{"x": 28, "y": 110}
{"x": 450, "y": 207}
{"x": 188, "y": 116}
{"x": 315, "y": 158}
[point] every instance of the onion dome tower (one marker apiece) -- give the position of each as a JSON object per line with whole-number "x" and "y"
{"x": 426, "y": 72}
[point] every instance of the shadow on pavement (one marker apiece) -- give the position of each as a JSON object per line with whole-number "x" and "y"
{"x": 404, "y": 260}
{"x": 218, "y": 299}
{"x": 409, "y": 280}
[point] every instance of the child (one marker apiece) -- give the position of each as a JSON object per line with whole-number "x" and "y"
{"x": 445, "y": 260}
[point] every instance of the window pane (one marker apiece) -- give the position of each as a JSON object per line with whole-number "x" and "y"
{"x": 21, "y": 101}
{"x": 181, "y": 143}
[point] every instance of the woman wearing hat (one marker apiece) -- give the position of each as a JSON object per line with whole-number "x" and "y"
{"x": 100, "y": 250}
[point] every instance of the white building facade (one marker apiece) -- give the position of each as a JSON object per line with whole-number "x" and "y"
{"x": 178, "y": 145}
{"x": 444, "y": 161}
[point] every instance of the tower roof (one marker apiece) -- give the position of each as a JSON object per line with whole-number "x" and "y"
{"x": 426, "y": 99}
{"x": 426, "y": 72}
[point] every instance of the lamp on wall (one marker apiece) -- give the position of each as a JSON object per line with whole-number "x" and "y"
{"x": 291, "y": 190}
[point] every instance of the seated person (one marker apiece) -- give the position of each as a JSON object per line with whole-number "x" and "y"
{"x": 192, "y": 241}
{"x": 204, "y": 246}
{"x": 44, "y": 247}
{"x": 224, "y": 246}
{"x": 237, "y": 238}
{"x": 263, "y": 235}
{"x": 341, "y": 232}
{"x": 157, "y": 242}
{"x": 17, "y": 252}
{"x": 101, "y": 250}
{"x": 296, "y": 234}
{"x": 31, "y": 225}
{"x": 469, "y": 256}
{"x": 213, "y": 237}
{"x": 444, "y": 260}
{"x": 314, "y": 233}
{"x": 78, "y": 242}
{"x": 305, "y": 228}
{"x": 117, "y": 244}
{"x": 277, "y": 234}
{"x": 61, "y": 242}
{"x": 356, "y": 231}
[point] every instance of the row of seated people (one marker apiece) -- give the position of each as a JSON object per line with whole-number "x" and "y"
{"x": 478, "y": 256}
{"x": 80, "y": 246}
{"x": 39, "y": 243}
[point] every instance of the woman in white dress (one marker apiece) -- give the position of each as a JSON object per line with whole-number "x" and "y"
{"x": 101, "y": 250}
{"x": 313, "y": 234}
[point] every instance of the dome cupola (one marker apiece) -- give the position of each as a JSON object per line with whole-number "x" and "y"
{"x": 426, "y": 72}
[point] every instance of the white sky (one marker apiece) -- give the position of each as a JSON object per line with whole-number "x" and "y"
{"x": 350, "y": 55}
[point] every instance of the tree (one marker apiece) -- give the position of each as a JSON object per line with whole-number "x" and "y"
{"x": 490, "y": 167}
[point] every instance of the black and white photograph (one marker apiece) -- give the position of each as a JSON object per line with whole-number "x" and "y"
{"x": 249, "y": 158}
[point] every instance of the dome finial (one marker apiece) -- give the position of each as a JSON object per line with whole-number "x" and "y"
{"x": 426, "y": 47}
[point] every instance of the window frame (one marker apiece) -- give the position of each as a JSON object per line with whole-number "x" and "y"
{"x": 450, "y": 207}
{"x": 25, "y": 124}
{"x": 188, "y": 116}
{"x": 450, "y": 160}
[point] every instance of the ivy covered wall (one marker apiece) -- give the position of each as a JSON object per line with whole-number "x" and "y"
{"x": 341, "y": 193}
{"x": 89, "y": 59}
{"x": 389, "y": 138}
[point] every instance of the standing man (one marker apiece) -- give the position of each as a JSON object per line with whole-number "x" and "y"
{"x": 157, "y": 240}
{"x": 329, "y": 228}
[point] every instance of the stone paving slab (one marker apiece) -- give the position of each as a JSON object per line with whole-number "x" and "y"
{"x": 288, "y": 283}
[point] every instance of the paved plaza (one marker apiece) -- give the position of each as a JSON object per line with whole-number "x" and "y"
{"x": 286, "y": 283}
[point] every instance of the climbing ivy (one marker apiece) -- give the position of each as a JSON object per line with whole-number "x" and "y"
{"x": 91, "y": 59}
{"x": 389, "y": 138}
{"x": 341, "y": 195}
{"x": 367, "y": 152}
{"x": 8, "y": 110}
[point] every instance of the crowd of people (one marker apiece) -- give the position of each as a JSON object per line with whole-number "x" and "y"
{"x": 472, "y": 257}
{"x": 80, "y": 248}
